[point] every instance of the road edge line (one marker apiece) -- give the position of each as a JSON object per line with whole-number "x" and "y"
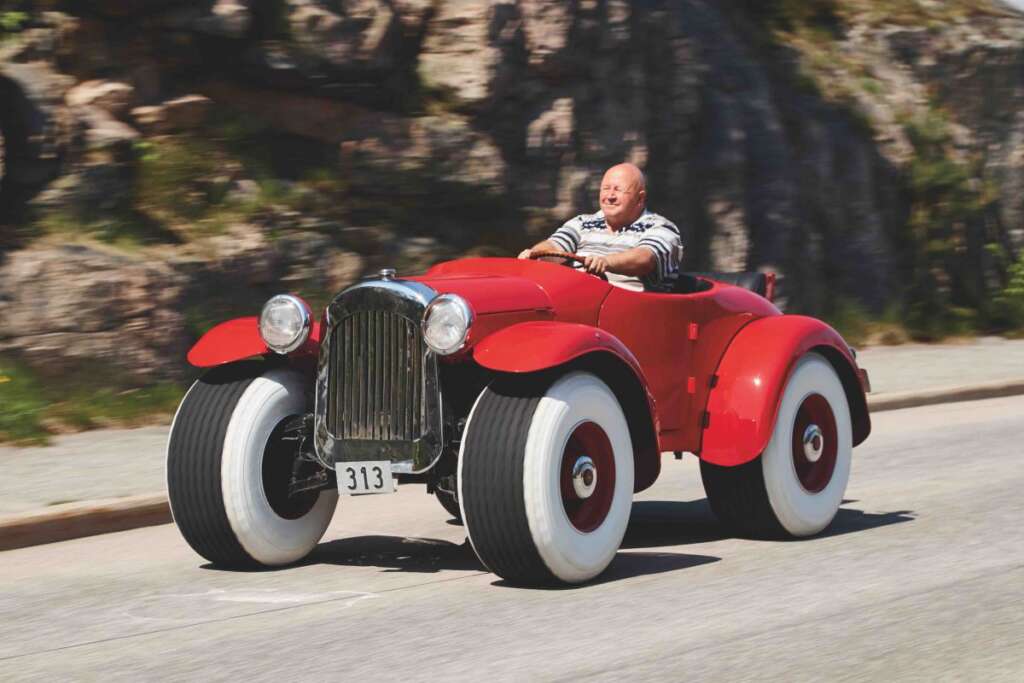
{"x": 927, "y": 397}
{"x": 86, "y": 518}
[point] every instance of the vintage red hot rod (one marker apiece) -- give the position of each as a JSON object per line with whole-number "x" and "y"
{"x": 532, "y": 399}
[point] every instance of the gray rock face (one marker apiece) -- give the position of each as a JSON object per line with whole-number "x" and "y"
{"x": 228, "y": 18}
{"x": 444, "y": 148}
{"x": 37, "y": 125}
{"x": 176, "y": 115}
{"x": 434, "y": 104}
{"x": 460, "y": 57}
{"x": 72, "y": 304}
{"x": 110, "y": 96}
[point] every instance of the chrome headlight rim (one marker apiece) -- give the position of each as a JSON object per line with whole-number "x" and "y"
{"x": 467, "y": 314}
{"x": 306, "y": 323}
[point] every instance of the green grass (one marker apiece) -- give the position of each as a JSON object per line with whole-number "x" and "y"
{"x": 36, "y": 406}
{"x": 23, "y": 405}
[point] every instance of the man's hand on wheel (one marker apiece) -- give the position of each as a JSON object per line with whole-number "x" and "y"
{"x": 595, "y": 264}
{"x": 526, "y": 253}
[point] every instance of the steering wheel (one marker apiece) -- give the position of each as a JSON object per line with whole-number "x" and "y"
{"x": 568, "y": 257}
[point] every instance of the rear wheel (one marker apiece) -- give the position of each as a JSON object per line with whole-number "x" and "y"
{"x": 228, "y": 469}
{"x": 450, "y": 503}
{"x": 546, "y": 478}
{"x": 797, "y": 484}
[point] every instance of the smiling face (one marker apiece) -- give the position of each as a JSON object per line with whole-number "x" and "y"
{"x": 622, "y": 195}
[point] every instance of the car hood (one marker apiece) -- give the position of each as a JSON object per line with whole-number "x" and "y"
{"x": 488, "y": 294}
{"x": 508, "y": 285}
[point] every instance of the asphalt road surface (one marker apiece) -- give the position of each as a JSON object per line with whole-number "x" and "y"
{"x": 921, "y": 577}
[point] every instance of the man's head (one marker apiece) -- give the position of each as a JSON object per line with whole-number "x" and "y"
{"x": 623, "y": 195}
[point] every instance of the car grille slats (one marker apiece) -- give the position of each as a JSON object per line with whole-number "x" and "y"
{"x": 376, "y": 385}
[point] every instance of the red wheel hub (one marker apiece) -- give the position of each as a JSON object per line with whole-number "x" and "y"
{"x": 587, "y": 477}
{"x": 815, "y": 443}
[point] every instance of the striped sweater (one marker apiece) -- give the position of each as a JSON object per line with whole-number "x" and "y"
{"x": 588, "y": 235}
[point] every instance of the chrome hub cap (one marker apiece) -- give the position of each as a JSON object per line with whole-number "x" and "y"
{"x": 584, "y": 477}
{"x": 814, "y": 443}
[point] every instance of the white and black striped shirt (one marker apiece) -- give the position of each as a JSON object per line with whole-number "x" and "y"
{"x": 588, "y": 235}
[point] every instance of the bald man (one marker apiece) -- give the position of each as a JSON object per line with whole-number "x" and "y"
{"x": 633, "y": 247}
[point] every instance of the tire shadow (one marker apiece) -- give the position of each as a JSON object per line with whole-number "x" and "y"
{"x": 626, "y": 565}
{"x": 660, "y": 523}
{"x": 849, "y": 520}
{"x": 397, "y": 554}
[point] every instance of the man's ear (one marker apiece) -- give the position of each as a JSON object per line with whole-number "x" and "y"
{"x": 642, "y": 196}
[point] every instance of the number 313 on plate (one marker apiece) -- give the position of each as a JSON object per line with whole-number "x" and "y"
{"x": 373, "y": 476}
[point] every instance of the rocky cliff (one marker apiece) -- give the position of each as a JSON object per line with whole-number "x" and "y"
{"x": 201, "y": 155}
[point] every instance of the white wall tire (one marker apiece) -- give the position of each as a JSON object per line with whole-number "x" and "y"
{"x": 217, "y": 454}
{"x": 793, "y": 488}
{"x": 526, "y": 520}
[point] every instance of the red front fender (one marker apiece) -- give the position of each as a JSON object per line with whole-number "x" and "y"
{"x": 239, "y": 339}
{"x": 752, "y": 377}
{"x": 540, "y": 345}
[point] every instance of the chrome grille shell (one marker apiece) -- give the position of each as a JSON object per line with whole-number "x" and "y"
{"x": 377, "y": 392}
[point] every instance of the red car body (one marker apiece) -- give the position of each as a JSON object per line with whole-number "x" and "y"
{"x": 701, "y": 372}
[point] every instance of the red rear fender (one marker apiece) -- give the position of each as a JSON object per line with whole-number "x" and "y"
{"x": 239, "y": 339}
{"x": 752, "y": 376}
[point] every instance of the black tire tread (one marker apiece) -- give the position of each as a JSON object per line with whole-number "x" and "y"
{"x": 194, "y": 462}
{"x": 492, "y": 482}
{"x": 449, "y": 503}
{"x": 739, "y": 499}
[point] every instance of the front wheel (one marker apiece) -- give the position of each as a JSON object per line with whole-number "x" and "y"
{"x": 797, "y": 484}
{"x": 228, "y": 469}
{"x": 546, "y": 478}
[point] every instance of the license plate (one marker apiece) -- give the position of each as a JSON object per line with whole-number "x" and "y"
{"x": 357, "y": 478}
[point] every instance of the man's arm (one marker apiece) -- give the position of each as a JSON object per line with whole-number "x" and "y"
{"x": 546, "y": 245}
{"x": 638, "y": 261}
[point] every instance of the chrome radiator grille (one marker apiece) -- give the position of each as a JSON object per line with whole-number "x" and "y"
{"x": 376, "y": 379}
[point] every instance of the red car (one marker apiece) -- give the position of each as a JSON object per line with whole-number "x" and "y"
{"x": 533, "y": 399}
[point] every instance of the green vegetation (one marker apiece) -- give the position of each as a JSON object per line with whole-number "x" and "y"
{"x": 949, "y": 291}
{"x": 15, "y": 16}
{"x": 948, "y": 228}
{"x": 181, "y": 191}
{"x": 21, "y": 397}
{"x": 125, "y": 229}
{"x": 11, "y": 22}
{"x": 833, "y": 15}
{"x": 860, "y": 328}
{"x": 1008, "y": 305}
{"x": 36, "y": 407}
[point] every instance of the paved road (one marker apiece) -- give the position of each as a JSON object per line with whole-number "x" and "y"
{"x": 921, "y": 578}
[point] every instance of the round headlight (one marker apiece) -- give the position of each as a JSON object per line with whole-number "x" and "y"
{"x": 285, "y": 323}
{"x": 446, "y": 323}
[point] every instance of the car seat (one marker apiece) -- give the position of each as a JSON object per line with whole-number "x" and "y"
{"x": 759, "y": 283}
